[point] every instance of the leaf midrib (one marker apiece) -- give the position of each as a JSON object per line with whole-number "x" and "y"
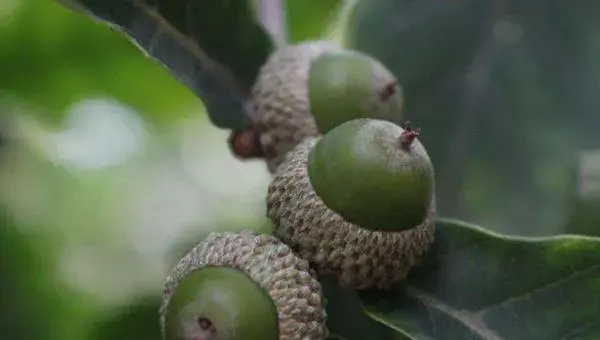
{"x": 164, "y": 25}
{"x": 472, "y": 321}
{"x": 541, "y": 288}
{"x": 228, "y": 77}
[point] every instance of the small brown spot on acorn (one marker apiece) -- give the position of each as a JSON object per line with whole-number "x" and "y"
{"x": 207, "y": 330}
{"x": 388, "y": 90}
{"x": 205, "y": 324}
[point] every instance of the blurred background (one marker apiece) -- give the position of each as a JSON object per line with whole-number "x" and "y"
{"x": 110, "y": 169}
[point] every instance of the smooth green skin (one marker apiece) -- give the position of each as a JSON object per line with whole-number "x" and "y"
{"x": 360, "y": 171}
{"x": 238, "y": 307}
{"x": 341, "y": 86}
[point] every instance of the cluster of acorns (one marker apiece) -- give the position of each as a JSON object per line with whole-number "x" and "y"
{"x": 352, "y": 197}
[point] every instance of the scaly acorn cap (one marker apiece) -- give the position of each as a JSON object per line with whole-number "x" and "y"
{"x": 279, "y": 101}
{"x": 359, "y": 258}
{"x": 242, "y": 285}
{"x": 374, "y": 173}
{"x": 304, "y": 90}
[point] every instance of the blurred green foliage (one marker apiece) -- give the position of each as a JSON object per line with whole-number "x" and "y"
{"x": 311, "y": 19}
{"x": 187, "y": 38}
{"x": 54, "y": 207}
{"x": 34, "y": 303}
{"x": 137, "y": 321}
{"x": 18, "y": 291}
{"x": 53, "y": 57}
{"x": 54, "y": 204}
{"x": 506, "y": 93}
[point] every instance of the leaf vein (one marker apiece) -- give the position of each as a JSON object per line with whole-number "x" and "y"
{"x": 195, "y": 49}
{"x": 470, "y": 320}
{"x": 550, "y": 285}
{"x": 580, "y": 329}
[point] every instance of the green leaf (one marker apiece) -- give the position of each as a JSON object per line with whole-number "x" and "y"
{"x": 345, "y": 318}
{"x": 215, "y": 48}
{"x": 135, "y": 321}
{"x": 333, "y": 336}
{"x": 584, "y": 217}
{"x": 506, "y": 96}
{"x": 28, "y": 310}
{"x": 35, "y": 303}
{"x": 90, "y": 62}
{"x": 478, "y": 285}
{"x": 310, "y": 19}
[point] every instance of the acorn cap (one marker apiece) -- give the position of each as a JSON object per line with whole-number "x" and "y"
{"x": 346, "y": 85}
{"x": 360, "y": 258}
{"x": 374, "y": 173}
{"x": 279, "y": 103}
{"x": 242, "y": 285}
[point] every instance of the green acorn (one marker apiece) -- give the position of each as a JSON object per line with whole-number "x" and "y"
{"x": 347, "y": 85}
{"x": 243, "y": 285}
{"x": 373, "y": 173}
{"x": 358, "y": 202}
{"x": 317, "y": 79}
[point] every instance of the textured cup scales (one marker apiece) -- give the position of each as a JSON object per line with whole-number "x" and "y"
{"x": 358, "y": 257}
{"x": 280, "y": 103}
{"x": 287, "y": 279}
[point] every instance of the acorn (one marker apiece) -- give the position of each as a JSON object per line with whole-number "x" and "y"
{"x": 373, "y": 173}
{"x": 347, "y": 85}
{"x": 358, "y": 202}
{"x": 242, "y": 285}
{"x": 317, "y": 79}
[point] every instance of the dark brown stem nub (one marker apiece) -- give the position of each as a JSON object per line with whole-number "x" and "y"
{"x": 207, "y": 330}
{"x": 388, "y": 91}
{"x": 408, "y": 135}
{"x": 245, "y": 144}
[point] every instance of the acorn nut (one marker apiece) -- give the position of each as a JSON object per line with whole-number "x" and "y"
{"x": 317, "y": 79}
{"x": 242, "y": 285}
{"x": 366, "y": 170}
{"x": 373, "y": 173}
{"x": 346, "y": 85}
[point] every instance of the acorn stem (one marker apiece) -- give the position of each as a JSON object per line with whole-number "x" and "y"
{"x": 388, "y": 90}
{"x": 245, "y": 144}
{"x": 408, "y": 135}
